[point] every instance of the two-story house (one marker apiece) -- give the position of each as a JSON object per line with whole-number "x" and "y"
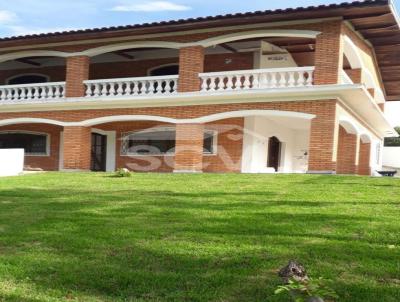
{"x": 296, "y": 90}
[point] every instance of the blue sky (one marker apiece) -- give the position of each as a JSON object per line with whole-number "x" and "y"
{"x": 34, "y": 16}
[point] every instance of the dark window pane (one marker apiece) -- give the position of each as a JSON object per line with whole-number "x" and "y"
{"x": 166, "y": 70}
{"x": 27, "y": 79}
{"x": 208, "y": 145}
{"x": 31, "y": 143}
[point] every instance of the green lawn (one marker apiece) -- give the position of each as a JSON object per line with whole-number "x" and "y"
{"x": 164, "y": 237}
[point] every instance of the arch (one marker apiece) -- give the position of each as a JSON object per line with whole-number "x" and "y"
{"x": 30, "y": 120}
{"x": 126, "y": 118}
{"x": 129, "y": 45}
{"x": 263, "y": 33}
{"x": 246, "y": 113}
{"x": 349, "y": 126}
{"x": 33, "y": 53}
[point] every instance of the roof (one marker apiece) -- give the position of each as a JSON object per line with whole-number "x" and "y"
{"x": 360, "y": 4}
{"x": 375, "y": 20}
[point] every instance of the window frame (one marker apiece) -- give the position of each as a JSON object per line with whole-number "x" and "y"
{"x": 126, "y": 135}
{"x": 46, "y": 154}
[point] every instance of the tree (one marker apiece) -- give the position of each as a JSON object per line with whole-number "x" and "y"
{"x": 393, "y": 141}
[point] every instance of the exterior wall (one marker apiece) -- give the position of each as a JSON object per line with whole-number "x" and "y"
{"x": 364, "y": 161}
{"x": 294, "y": 145}
{"x": 391, "y": 157}
{"x": 49, "y": 162}
{"x": 227, "y": 159}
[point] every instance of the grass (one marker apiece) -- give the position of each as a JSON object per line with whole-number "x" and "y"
{"x": 164, "y": 237}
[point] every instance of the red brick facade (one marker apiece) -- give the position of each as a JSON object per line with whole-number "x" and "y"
{"x": 330, "y": 150}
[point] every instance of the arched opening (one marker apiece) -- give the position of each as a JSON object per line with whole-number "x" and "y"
{"x": 274, "y": 153}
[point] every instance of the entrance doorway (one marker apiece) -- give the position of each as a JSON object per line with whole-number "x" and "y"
{"x": 99, "y": 152}
{"x": 274, "y": 152}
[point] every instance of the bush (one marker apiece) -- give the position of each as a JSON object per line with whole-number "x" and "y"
{"x": 393, "y": 141}
{"x": 123, "y": 172}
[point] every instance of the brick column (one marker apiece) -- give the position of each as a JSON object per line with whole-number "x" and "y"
{"x": 77, "y": 72}
{"x": 189, "y": 148}
{"x": 328, "y": 54}
{"x": 191, "y": 63}
{"x": 77, "y": 146}
{"x": 364, "y": 167}
{"x": 347, "y": 152}
{"x": 323, "y": 139}
{"x": 354, "y": 75}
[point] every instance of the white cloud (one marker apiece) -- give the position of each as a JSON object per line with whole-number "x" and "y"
{"x": 7, "y": 17}
{"x": 153, "y": 6}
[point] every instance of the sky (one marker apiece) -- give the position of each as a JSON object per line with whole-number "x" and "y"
{"x": 19, "y": 17}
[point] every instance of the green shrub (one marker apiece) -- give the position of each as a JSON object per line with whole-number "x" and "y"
{"x": 393, "y": 141}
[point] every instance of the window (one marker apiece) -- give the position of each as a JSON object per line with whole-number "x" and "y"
{"x": 28, "y": 79}
{"x": 32, "y": 143}
{"x": 172, "y": 69}
{"x": 160, "y": 142}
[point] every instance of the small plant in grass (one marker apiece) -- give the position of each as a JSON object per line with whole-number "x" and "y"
{"x": 310, "y": 290}
{"x": 123, "y": 172}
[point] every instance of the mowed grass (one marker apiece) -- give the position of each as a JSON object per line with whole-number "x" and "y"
{"x": 164, "y": 237}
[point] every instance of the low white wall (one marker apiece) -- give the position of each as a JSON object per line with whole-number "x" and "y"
{"x": 391, "y": 157}
{"x": 11, "y": 162}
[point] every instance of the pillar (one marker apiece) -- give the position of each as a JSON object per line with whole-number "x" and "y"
{"x": 77, "y": 72}
{"x": 348, "y": 146}
{"x": 77, "y": 148}
{"x": 189, "y": 148}
{"x": 328, "y": 54}
{"x": 191, "y": 63}
{"x": 323, "y": 139}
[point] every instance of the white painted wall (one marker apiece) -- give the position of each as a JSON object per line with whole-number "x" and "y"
{"x": 258, "y": 130}
{"x": 391, "y": 157}
{"x": 11, "y": 162}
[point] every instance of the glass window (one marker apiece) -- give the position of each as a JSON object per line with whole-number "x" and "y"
{"x": 159, "y": 142}
{"x": 33, "y": 144}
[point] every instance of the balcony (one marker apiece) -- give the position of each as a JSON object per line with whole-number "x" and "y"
{"x": 135, "y": 87}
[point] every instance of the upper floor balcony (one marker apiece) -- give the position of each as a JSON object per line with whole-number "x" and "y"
{"x": 136, "y": 72}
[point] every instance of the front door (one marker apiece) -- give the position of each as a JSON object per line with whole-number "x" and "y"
{"x": 274, "y": 153}
{"x": 99, "y": 150}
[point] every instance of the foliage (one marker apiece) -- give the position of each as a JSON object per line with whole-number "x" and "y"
{"x": 393, "y": 141}
{"x": 303, "y": 290}
{"x": 123, "y": 172}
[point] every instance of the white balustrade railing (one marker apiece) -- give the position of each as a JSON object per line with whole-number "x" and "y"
{"x": 257, "y": 79}
{"x": 160, "y": 85}
{"x": 41, "y": 91}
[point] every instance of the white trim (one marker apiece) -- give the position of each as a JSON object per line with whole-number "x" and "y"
{"x": 150, "y": 70}
{"x": 33, "y": 53}
{"x": 349, "y": 125}
{"x": 125, "y": 135}
{"x": 7, "y": 81}
{"x": 111, "y": 148}
{"x": 366, "y": 137}
{"x": 31, "y": 120}
{"x": 47, "y": 135}
{"x": 262, "y": 33}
